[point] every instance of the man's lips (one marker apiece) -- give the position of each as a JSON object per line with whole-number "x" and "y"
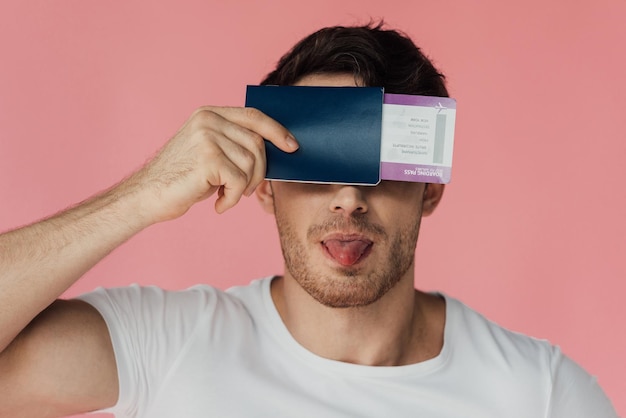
{"x": 347, "y": 249}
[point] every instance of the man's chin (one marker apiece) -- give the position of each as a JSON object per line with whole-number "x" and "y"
{"x": 357, "y": 293}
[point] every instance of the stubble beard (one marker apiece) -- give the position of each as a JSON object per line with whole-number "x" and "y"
{"x": 348, "y": 287}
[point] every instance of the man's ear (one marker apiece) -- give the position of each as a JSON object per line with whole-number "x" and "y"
{"x": 433, "y": 192}
{"x": 265, "y": 194}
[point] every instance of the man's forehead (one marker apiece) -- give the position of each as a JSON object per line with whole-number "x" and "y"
{"x": 328, "y": 80}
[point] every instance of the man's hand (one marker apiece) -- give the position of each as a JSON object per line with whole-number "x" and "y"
{"x": 218, "y": 149}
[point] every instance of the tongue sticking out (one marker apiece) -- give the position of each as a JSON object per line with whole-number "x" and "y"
{"x": 346, "y": 252}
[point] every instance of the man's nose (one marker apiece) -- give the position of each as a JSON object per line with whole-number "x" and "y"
{"x": 348, "y": 200}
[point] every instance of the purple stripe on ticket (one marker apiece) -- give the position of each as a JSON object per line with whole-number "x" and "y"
{"x": 427, "y": 101}
{"x": 414, "y": 173}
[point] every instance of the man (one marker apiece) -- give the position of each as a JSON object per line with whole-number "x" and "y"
{"x": 341, "y": 333}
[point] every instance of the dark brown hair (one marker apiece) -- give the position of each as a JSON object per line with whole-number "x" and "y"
{"x": 376, "y": 56}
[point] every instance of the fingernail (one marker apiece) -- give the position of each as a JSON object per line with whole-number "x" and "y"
{"x": 291, "y": 142}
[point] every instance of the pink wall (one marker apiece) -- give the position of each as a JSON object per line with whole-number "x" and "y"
{"x": 531, "y": 231}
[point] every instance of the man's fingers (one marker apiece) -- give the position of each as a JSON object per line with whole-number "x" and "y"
{"x": 243, "y": 145}
{"x": 247, "y": 151}
{"x": 232, "y": 183}
{"x": 217, "y": 150}
{"x": 258, "y": 122}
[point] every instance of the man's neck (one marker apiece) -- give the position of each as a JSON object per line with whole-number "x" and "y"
{"x": 404, "y": 327}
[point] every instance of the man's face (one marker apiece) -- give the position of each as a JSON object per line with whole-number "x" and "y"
{"x": 347, "y": 245}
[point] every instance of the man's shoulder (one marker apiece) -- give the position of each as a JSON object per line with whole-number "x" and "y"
{"x": 195, "y": 300}
{"x": 156, "y": 292}
{"x": 470, "y": 328}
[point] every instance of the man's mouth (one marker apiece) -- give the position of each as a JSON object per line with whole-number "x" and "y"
{"x": 347, "y": 250}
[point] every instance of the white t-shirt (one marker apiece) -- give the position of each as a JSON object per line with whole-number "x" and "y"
{"x": 207, "y": 353}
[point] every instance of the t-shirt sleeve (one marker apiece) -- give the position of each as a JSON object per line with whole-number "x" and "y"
{"x": 149, "y": 328}
{"x": 575, "y": 393}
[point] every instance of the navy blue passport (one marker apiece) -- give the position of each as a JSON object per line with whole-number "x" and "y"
{"x": 338, "y": 129}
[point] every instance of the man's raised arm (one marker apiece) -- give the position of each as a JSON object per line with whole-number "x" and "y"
{"x": 56, "y": 357}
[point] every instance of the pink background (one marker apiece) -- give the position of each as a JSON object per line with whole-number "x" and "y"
{"x": 531, "y": 231}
